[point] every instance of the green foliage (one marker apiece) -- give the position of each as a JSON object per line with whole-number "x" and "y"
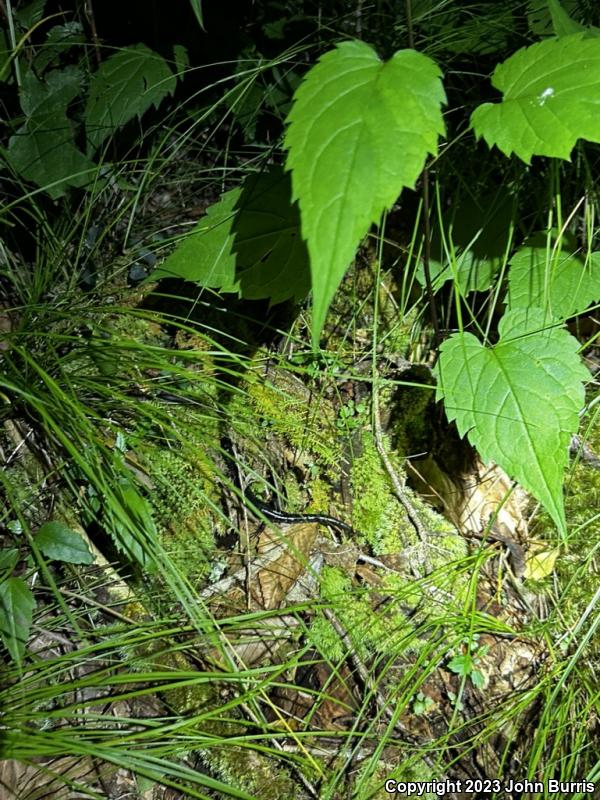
{"x": 562, "y": 23}
{"x": 518, "y": 401}
{"x": 476, "y": 233}
{"x": 184, "y": 498}
{"x": 551, "y": 91}
{"x": 371, "y": 632}
{"x": 261, "y": 92}
{"x": 92, "y": 398}
{"x": 554, "y": 279}
{"x": 43, "y": 149}
{"x": 9, "y": 558}
{"x": 359, "y": 132}
{"x": 16, "y": 609}
{"x": 58, "y": 542}
{"x": 460, "y": 28}
{"x": 204, "y": 256}
{"x": 196, "y": 6}
{"x": 249, "y": 242}
{"x": 125, "y": 86}
{"x": 376, "y": 511}
{"x": 31, "y": 13}
{"x": 545, "y": 17}
{"x": 466, "y": 662}
{"x": 60, "y": 39}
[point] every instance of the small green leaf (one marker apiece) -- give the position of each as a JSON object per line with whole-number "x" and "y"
{"x": 461, "y": 665}
{"x": 30, "y": 14}
{"x": 477, "y": 679}
{"x": 49, "y": 158}
{"x": 557, "y": 282}
{"x": 518, "y": 402}
{"x": 16, "y": 610}
{"x": 58, "y": 542}
{"x": 551, "y": 93}
{"x": 181, "y": 58}
{"x": 9, "y": 558}
{"x": 358, "y": 133}
{"x": 123, "y": 87}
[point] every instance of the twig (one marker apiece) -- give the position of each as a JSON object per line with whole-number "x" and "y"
{"x": 382, "y": 703}
{"x": 89, "y": 13}
{"x": 358, "y": 15}
{"x": 244, "y": 574}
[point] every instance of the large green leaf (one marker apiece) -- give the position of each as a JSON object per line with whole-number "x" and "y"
{"x": 49, "y": 158}
{"x": 205, "y": 255}
{"x": 39, "y": 98}
{"x": 558, "y": 282}
{"x": 272, "y": 259}
{"x": 123, "y": 87}
{"x": 43, "y": 150}
{"x": 358, "y": 133}
{"x": 518, "y": 402}
{"x": 248, "y": 242}
{"x": 551, "y": 94}
{"x": 16, "y": 610}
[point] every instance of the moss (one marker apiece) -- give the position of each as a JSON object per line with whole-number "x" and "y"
{"x": 184, "y": 497}
{"x": 371, "y": 632}
{"x": 376, "y": 511}
{"x": 301, "y": 431}
{"x": 251, "y": 772}
{"x": 411, "y": 416}
{"x": 285, "y": 411}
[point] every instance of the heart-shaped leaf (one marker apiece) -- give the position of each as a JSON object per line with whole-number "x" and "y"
{"x": 518, "y": 402}
{"x": 358, "y": 133}
{"x": 551, "y": 93}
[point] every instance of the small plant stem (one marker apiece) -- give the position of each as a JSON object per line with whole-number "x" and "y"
{"x": 437, "y": 338}
{"x": 13, "y": 41}
{"x": 358, "y": 15}
{"x": 89, "y": 13}
{"x": 426, "y": 218}
{"x": 409, "y": 25}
